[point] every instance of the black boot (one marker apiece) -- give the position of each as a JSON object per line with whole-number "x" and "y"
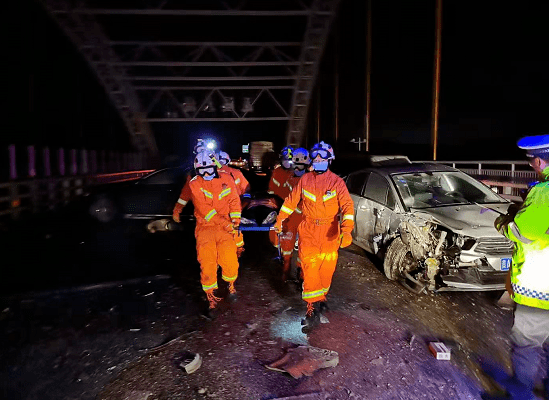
{"x": 312, "y": 318}
{"x": 232, "y": 293}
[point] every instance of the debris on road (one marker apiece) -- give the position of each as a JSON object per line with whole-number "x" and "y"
{"x": 190, "y": 362}
{"x": 305, "y": 360}
{"x": 439, "y": 350}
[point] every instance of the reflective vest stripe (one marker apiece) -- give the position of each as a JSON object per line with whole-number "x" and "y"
{"x": 329, "y": 196}
{"x": 277, "y": 183}
{"x": 224, "y": 193}
{"x": 181, "y": 201}
{"x": 228, "y": 279}
{"x": 349, "y": 217}
{"x": 289, "y": 186}
{"x": 534, "y": 294}
{"x": 516, "y": 231}
{"x": 206, "y": 193}
{"x": 210, "y": 215}
{"x": 309, "y": 295}
{"x": 309, "y": 195}
{"x": 208, "y": 287}
{"x": 286, "y": 210}
{"x": 235, "y": 214}
{"x": 237, "y": 181}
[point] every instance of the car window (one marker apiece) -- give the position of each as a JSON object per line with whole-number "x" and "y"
{"x": 440, "y": 188}
{"x": 169, "y": 176}
{"x": 355, "y": 182}
{"x": 377, "y": 189}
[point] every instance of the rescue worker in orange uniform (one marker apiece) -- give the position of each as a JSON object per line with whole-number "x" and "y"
{"x": 243, "y": 190}
{"x": 217, "y": 212}
{"x": 287, "y": 238}
{"x": 328, "y": 220}
{"x": 277, "y": 183}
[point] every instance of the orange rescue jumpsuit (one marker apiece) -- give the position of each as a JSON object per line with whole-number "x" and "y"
{"x": 277, "y": 186}
{"x": 216, "y": 204}
{"x": 242, "y": 186}
{"x": 289, "y": 230}
{"x": 325, "y": 201}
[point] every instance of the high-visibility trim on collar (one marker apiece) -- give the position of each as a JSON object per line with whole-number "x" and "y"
{"x": 210, "y": 215}
{"x": 329, "y": 195}
{"x": 309, "y": 195}
{"x": 224, "y": 193}
{"x": 206, "y": 193}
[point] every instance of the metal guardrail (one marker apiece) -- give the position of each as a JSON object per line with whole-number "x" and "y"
{"x": 509, "y": 181}
{"x": 44, "y": 194}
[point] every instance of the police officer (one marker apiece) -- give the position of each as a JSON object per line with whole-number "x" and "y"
{"x": 529, "y": 274}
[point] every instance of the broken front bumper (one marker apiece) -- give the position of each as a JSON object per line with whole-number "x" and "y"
{"x": 473, "y": 279}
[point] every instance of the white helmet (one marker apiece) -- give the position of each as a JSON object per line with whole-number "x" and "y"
{"x": 204, "y": 164}
{"x": 224, "y": 158}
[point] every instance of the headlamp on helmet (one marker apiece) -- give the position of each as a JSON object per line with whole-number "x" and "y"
{"x": 286, "y": 155}
{"x": 224, "y": 158}
{"x": 205, "y": 165}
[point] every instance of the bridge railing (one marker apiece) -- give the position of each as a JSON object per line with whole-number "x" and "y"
{"x": 509, "y": 179}
{"x": 31, "y": 187}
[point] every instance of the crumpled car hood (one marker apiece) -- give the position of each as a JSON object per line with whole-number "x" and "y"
{"x": 469, "y": 220}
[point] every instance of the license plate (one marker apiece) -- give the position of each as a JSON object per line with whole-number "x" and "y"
{"x": 506, "y": 264}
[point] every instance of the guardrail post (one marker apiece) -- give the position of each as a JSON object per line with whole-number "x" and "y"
{"x": 31, "y": 161}
{"x": 74, "y": 165}
{"x": 46, "y": 159}
{"x": 13, "y": 163}
{"x": 61, "y": 161}
{"x": 512, "y": 169}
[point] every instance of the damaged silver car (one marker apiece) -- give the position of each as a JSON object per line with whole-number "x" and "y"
{"x": 432, "y": 225}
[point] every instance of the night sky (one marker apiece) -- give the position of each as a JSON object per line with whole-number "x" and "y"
{"x": 493, "y": 83}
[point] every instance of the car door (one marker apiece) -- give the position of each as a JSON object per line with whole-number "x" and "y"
{"x": 355, "y": 184}
{"x": 376, "y": 210}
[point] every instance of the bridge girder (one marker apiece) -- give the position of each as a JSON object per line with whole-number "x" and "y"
{"x": 196, "y": 76}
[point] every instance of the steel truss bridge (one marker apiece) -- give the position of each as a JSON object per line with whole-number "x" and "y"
{"x": 201, "y": 60}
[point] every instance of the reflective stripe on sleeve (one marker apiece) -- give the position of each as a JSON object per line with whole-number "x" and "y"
{"x": 329, "y": 195}
{"x": 515, "y": 230}
{"x": 237, "y": 181}
{"x": 349, "y": 217}
{"x": 183, "y": 202}
{"x": 271, "y": 192}
{"x": 235, "y": 214}
{"x": 297, "y": 210}
{"x": 309, "y": 195}
{"x": 277, "y": 183}
{"x": 224, "y": 193}
{"x": 286, "y": 210}
{"x": 206, "y": 193}
{"x": 210, "y": 215}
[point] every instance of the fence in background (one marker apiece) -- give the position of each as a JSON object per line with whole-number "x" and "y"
{"x": 45, "y": 181}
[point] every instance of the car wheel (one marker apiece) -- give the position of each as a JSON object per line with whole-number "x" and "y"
{"x": 103, "y": 209}
{"x": 398, "y": 259}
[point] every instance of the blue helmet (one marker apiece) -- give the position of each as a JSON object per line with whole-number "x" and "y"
{"x": 324, "y": 150}
{"x": 286, "y": 155}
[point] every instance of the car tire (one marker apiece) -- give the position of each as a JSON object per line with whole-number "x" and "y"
{"x": 103, "y": 209}
{"x": 397, "y": 257}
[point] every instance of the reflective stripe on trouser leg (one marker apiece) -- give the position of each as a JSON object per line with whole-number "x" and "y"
{"x": 226, "y": 255}
{"x": 318, "y": 253}
{"x": 206, "y": 251}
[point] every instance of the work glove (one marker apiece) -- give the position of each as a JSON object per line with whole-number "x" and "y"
{"x": 176, "y": 211}
{"x": 230, "y": 228}
{"x": 345, "y": 239}
{"x": 236, "y": 223}
{"x": 502, "y": 221}
{"x": 278, "y": 225}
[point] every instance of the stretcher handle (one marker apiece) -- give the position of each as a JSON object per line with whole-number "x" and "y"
{"x": 256, "y": 228}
